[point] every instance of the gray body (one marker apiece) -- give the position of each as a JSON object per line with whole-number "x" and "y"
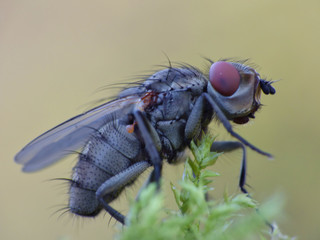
{"x": 112, "y": 149}
{"x": 148, "y": 123}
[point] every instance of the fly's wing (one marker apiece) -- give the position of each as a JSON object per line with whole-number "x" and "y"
{"x": 70, "y": 135}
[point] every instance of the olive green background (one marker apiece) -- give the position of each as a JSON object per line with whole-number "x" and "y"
{"x": 54, "y": 55}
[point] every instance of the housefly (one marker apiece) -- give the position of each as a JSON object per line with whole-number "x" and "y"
{"x": 152, "y": 121}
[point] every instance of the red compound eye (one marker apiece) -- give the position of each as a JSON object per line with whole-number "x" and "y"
{"x": 224, "y": 78}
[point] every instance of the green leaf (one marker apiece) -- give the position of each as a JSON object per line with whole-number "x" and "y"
{"x": 194, "y": 167}
{"x": 176, "y": 194}
{"x": 208, "y": 174}
{"x": 209, "y": 160}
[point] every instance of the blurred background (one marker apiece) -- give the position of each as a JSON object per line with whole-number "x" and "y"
{"x": 54, "y": 55}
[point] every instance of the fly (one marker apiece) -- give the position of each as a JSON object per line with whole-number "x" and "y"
{"x": 148, "y": 123}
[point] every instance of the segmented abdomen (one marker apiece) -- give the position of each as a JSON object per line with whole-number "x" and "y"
{"x": 110, "y": 150}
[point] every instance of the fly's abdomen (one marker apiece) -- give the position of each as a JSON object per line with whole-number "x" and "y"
{"x": 111, "y": 150}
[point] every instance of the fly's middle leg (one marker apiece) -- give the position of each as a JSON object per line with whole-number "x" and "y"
{"x": 118, "y": 182}
{"x": 152, "y": 144}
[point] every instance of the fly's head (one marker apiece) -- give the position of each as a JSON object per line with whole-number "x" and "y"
{"x": 236, "y": 89}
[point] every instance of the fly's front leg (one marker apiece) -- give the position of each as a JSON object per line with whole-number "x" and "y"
{"x": 152, "y": 144}
{"x": 228, "y": 146}
{"x": 117, "y": 183}
{"x": 221, "y": 116}
{"x": 193, "y": 128}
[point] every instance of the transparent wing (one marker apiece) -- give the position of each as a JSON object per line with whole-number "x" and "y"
{"x": 70, "y": 135}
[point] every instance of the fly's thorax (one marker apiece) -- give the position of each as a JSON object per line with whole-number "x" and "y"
{"x": 167, "y": 98}
{"x": 177, "y": 90}
{"x": 180, "y": 79}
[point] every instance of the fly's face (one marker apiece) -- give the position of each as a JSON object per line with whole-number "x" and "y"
{"x": 236, "y": 88}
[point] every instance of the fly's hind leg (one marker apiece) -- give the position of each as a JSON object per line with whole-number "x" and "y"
{"x": 118, "y": 182}
{"x": 228, "y": 146}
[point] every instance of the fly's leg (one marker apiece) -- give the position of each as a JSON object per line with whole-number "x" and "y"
{"x": 228, "y": 146}
{"x": 116, "y": 183}
{"x": 193, "y": 128}
{"x": 113, "y": 213}
{"x": 228, "y": 126}
{"x": 152, "y": 144}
